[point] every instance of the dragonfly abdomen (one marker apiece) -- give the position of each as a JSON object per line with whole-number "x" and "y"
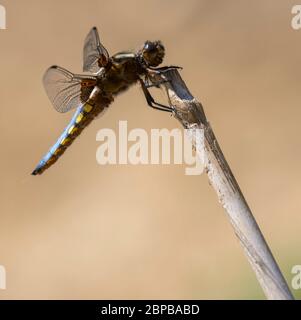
{"x": 83, "y": 116}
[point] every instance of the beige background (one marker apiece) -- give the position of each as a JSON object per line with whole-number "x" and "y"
{"x": 86, "y": 231}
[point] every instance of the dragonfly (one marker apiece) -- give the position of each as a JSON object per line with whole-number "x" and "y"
{"x": 92, "y": 93}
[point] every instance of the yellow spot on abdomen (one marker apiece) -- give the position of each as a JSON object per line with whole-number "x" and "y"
{"x": 65, "y": 141}
{"x": 87, "y": 107}
{"x": 72, "y": 130}
{"x": 57, "y": 151}
{"x": 79, "y": 118}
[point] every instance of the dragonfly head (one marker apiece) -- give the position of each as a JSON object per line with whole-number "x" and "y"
{"x": 152, "y": 53}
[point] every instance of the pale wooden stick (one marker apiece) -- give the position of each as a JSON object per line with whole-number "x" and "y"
{"x": 191, "y": 114}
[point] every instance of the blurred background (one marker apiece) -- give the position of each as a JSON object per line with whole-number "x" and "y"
{"x": 86, "y": 231}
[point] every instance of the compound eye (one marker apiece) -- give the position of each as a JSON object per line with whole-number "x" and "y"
{"x": 150, "y": 47}
{"x": 147, "y": 45}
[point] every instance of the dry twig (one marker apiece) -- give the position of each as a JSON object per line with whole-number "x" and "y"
{"x": 191, "y": 114}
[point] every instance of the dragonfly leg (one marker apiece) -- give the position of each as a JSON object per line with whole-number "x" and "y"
{"x": 162, "y": 69}
{"x": 152, "y": 70}
{"x": 150, "y": 100}
{"x": 156, "y": 84}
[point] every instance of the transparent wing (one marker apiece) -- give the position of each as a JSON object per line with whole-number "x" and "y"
{"x": 65, "y": 89}
{"x": 95, "y": 54}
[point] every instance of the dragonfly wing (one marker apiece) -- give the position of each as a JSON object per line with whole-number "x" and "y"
{"x": 66, "y": 90}
{"x": 95, "y": 54}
